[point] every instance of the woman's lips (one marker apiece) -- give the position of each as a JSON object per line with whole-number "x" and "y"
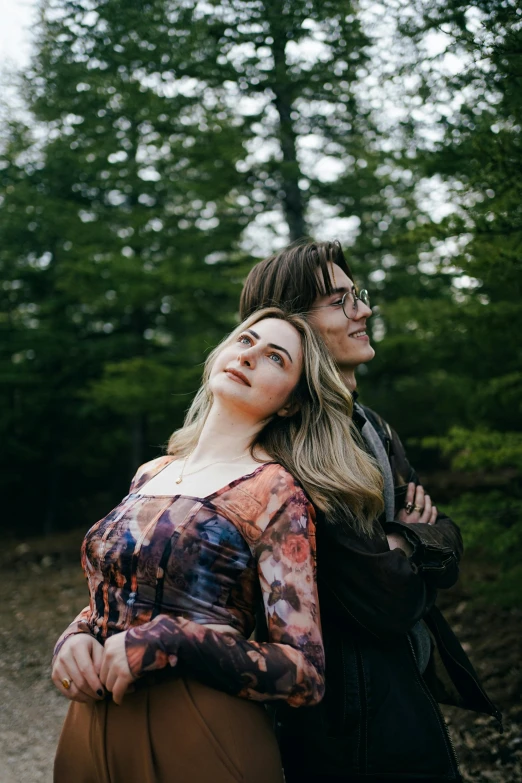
{"x": 238, "y": 376}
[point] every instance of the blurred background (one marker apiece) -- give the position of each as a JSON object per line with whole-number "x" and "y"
{"x": 150, "y": 154}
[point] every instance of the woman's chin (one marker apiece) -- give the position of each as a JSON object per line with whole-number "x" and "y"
{"x": 232, "y": 396}
{"x": 223, "y": 388}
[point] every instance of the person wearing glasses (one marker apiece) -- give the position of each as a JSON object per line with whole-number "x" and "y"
{"x": 390, "y": 654}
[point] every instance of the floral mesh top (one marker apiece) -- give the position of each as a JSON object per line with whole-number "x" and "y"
{"x": 160, "y": 567}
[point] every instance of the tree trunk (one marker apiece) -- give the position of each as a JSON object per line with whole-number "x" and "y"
{"x": 293, "y": 206}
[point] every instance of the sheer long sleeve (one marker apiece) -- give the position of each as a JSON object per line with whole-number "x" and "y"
{"x": 290, "y": 666}
{"x": 80, "y": 624}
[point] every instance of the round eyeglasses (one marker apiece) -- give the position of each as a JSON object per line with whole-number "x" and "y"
{"x": 349, "y": 302}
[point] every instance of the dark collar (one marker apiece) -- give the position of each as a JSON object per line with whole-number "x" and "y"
{"x": 358, "y": 417}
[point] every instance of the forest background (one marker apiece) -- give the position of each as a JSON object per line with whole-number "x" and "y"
{"x": 162, "y": 148}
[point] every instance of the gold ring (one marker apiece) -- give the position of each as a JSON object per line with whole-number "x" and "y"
{"x": 66, "y": 683}
{"x": 418, "y": 508}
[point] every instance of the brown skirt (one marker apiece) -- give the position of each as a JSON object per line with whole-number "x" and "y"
{"x": 178, "y": 731}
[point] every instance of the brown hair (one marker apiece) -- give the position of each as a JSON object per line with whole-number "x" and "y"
{"x": 289, "y": 278}
{"x": 318, "y": 445}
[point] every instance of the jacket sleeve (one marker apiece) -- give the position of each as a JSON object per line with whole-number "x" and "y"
{"x": 437, "y": 548}
{"x": 361, "y": 580}
{"x": 291, "y": 665}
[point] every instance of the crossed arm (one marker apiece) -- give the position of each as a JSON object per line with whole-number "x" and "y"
{"x": 388, "y": 586}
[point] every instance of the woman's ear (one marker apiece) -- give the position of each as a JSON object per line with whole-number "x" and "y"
{"x": 288, "y": 410}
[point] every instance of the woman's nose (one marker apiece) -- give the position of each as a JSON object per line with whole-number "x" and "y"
{"x": 246, "y": 358}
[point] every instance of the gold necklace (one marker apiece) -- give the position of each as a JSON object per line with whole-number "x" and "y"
{"x": 218, "y": 462}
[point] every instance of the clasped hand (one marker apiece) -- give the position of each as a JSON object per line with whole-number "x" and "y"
{"x": 419, "y": 507}
{"x": 92, "y": 669}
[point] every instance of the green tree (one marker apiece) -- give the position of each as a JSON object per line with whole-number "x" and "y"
{"x": 459, "y": 357}
{"x": 167, "y": 137}
{"x": 113, "y": 217}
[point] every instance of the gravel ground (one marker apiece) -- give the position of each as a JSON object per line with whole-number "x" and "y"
{"x": 46, "y": 589}
{"x": 42, "y": 600}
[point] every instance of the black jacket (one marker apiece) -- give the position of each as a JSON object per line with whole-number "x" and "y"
{"x": 379, "y": 719}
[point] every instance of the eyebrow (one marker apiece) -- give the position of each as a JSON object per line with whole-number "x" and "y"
{"x": 272, "y": 345}
{"x": 342, "y": 290}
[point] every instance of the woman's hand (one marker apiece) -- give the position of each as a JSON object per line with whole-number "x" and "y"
{"x": 78, "y": 662}
{"x": 418, "y": 507}
{"x": 115, "y": 673}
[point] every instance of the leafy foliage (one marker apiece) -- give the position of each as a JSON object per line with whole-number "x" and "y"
{"x": 450, "y": 366}
{"x": 162, "y": 131}
{"x": 171, "y": 143}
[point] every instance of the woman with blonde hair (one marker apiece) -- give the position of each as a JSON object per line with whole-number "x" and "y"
{"x": 164, "y": 682}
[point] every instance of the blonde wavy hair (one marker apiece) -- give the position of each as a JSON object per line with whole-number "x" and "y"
{"x": 318, "y": 445}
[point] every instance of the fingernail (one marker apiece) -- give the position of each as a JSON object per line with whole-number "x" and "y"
{"x": 100, "y": 693}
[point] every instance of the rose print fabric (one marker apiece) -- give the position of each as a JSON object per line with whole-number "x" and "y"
{"x": 162, "y": 567}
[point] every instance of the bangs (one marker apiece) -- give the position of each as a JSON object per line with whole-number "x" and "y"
{"x": 294, "y": 278}
{"x": 312, "y": 269}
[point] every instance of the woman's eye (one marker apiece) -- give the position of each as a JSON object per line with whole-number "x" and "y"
{"x": 244, "y": 339}
{"x": 337, "y": 303}
{"x": 276, "y": 357}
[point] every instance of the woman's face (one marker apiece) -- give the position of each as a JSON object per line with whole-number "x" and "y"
{"x": 257, "y": 373}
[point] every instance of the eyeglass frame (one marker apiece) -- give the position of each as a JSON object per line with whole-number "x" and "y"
{"x": 357, "y": 296}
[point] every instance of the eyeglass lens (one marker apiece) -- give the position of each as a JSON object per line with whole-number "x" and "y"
{"x": 350, "y": 301}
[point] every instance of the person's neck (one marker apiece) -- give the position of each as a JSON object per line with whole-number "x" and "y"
{"x": 348, "y": 376}
{"x": 226, "y": 435}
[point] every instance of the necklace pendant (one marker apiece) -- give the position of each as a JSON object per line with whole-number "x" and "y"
{"x": 179, "y": 480}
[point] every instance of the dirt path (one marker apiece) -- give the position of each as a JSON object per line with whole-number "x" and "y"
{"x": 6, "y": 776}
{"x": 30, "y": 722}
{"x": 45, "y": 589}
{"x": 41, "y": 600}
{"x": 492, "y": 638}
